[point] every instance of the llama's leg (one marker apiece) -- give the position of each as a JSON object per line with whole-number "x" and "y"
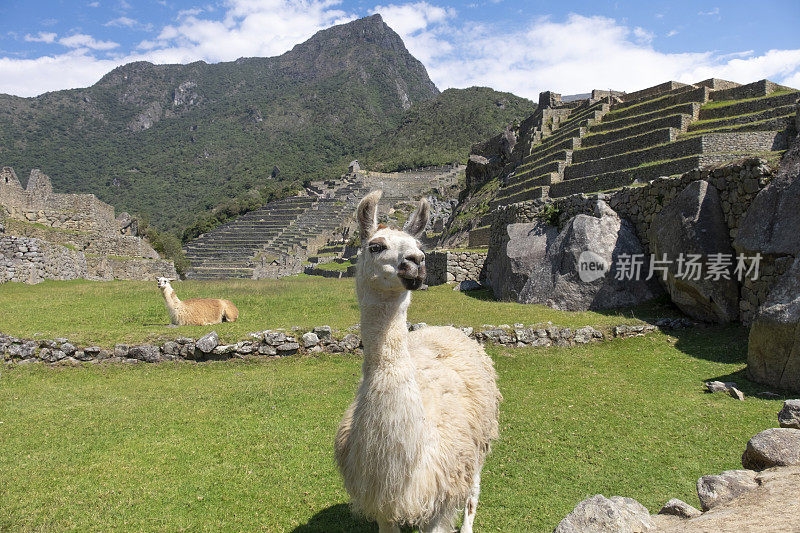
{"x": 472, "y": 504}
{"x": 388, "y": 527}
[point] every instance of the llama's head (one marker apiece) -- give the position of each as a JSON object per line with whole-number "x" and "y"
{"x": 391, "y": 260}
{"x": 163, "y": 283}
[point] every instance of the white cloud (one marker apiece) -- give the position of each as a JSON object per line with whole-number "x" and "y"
{"x": 93, "y": 4}
{"x": 30, "y": 77}
{"x": 423, "y": 27}
{"x": 81, "y": 40}
{"x": 41, "y": 37}
{"x": 672, "y": 33}
{"x": 642, "y": 36}
{"x": 127, "y": 22}
{"x": 600, "y": 53}
{"x": 122, "y": 22}
{"x": 709, "y": 13}
{"x": 189, "y": 12}
{"x": 573, "y": 55}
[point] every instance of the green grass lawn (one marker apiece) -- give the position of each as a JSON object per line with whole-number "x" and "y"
{"x": 105, "y": 313}
{"x": 246, "y": 446}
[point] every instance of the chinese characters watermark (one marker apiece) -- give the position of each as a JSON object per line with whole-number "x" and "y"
{"x": 689, "y": 267}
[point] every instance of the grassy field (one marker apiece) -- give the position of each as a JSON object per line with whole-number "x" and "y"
{"x": 105, "y": 313}
{"x": 248, "y": 446}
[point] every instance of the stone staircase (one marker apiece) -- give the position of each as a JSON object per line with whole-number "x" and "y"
{"x": 610, "y": 141}
{"x": 288, "y": 226}
{"x": 317, "y": 223}
{"x": 664, "y": 134}
{"x": 228, "y": 250}
{"x": 549, "y": 158}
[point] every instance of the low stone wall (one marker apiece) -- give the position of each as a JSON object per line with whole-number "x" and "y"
{"x": 31, "y": 260}
{"x": 749, "y": 106}
{"x": 326, "y": 273}
{"x": 455, "y": 266}
{"x": 738, "y": 184}
{"x": 119, "y": 245}
{"x": 105, "y": 268}
{"x": 27, "y": 260}
{"x": 652, "y": 91}
{"x": 751, "y": 90}
{"x": 692, "y": 109}
{"x": 281, "y": 343}
{"x": 700, "y": 94}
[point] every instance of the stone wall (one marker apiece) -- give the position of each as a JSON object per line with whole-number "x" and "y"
{"x": 119, "y": 245}
{"x": 106, "y": 268}
{"x": 650, "y": 91}
{"x": 751, "y": 90}
{"x": 27, "y": 260}
{"x": 280, "y": 343}
{"x": 274, "y": 268}
{"x": 48, "y": 235}
{"x": 406, "y": 185}
{"x": 455, "y": 266}
{"x": 37, "y": 203}
{"x": 31, "y": 260}
{"x": 738, "y": 184}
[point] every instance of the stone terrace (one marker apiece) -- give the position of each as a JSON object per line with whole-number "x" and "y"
{"x": 279, "y": 228}
{"x": 611, "y": 140}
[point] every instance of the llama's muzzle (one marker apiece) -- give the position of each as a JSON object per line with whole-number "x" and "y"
{"x": 412, "y": 274}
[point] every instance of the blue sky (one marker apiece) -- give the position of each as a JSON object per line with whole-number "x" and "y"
{"x": 513, "y": 45}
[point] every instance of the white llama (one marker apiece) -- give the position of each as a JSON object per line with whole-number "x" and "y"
{"x": 196, "y": 311}
{"x": 411, "y": 446}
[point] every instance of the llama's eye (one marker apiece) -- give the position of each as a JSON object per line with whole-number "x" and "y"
{"x": 376, "y": 248}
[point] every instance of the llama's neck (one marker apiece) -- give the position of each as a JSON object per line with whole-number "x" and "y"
{"x": 390, "y": 403}
{"x": 170, "y": 296}
{"x": 384, "y": 331}
{"x": 172, "y": 301}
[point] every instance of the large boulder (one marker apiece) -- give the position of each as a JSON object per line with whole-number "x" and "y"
{"x": 772, "y": 505}
{"x": 773, "y": 447}
{"x": 522, "y": 257}
{"x": 575, "y": 269}
{"x": 719, "y": 489}
{"x": 788, "y": 417}
{"x": 770, "y": 225}
{"x": 773, "y": 354}
{"x": 693, "y": 223}
{"x": 599, "y": 514}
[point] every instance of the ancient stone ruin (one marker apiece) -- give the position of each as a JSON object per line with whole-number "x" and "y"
{"x": 279, "y": 239}
{"x": 47, "y": 235}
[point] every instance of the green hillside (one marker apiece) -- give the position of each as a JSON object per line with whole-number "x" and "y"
{"x": 441, "y": 130}
{"x": 172, "y": 142}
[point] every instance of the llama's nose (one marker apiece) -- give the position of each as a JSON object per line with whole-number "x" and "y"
{"x": 416, "y": 258}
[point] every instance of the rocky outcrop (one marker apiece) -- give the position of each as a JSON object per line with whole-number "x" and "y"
{"x": 732, "y": 502}
{"x": 716, "y": 490}
{"x": 773, "y": 447}
{"x": 770, "y": 225}
{"x": 575, "y": 269}
{"x": 789, "y": 416}
{"x": 773, "y": 354}
{"x": 522, "y": 257}
{"x": 693, "y": 224}
{"x": 488, "y": 159}
{"x": 772, "y": 505}
{"x": 599, "y": 514}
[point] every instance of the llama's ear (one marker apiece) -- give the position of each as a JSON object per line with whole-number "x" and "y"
{"x": 419, "y": 220}
{"x": 367, "y": 214}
